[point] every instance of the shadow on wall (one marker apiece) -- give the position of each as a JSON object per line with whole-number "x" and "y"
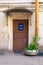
{"x": 40, "y": 48}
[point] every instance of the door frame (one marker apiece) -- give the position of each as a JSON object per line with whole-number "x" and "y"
{"x": 27, "y": 31}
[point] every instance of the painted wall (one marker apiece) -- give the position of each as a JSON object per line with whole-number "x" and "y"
{"x": 17, "y": 1}
{"x": 10, "y": 24}
{"x": 3, "y": 32}
{"x": 6, "y": 34}
{"x": 31, "y": 31}
{"x": 32, "y": 27}
{"x": 41, "y": 28}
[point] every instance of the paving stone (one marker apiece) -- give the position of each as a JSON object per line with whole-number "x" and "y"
{"x": 20, "y": 59}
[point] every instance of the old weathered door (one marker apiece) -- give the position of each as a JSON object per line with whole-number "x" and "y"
{"x": 20, "y": 35}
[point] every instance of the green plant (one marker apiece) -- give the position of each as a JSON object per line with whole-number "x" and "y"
{"x": 34, "y": 43}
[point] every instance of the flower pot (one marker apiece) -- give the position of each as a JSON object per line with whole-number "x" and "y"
{"x": 31, "y": 52}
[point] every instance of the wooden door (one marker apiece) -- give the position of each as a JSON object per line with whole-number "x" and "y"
{"x": 20, "y": 35}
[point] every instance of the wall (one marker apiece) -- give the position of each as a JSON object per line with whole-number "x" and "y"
{"x": 17, "y": 1}
{"x": 10, "y": 24}
{"x": 31, "y": 31}
{"x": 6, "y": 34}
{"x": 2, "y": 20}
{"x": 32, "y": 27}
{"x": 41, "y": 27}
{"x": 3, "y": 32}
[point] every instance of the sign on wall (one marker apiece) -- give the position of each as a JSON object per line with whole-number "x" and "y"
{"x": 20, "y": 26}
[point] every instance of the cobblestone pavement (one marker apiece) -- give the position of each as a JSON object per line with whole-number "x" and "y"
{"x": 19, "y": 59}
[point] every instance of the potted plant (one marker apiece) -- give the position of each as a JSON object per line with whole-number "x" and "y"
{"x": 32, "y": 49}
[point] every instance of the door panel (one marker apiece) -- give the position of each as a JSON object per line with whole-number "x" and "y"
{"x": 20, "y": 35}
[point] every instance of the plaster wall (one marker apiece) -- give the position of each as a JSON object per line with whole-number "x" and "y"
{"x": 6, "y": 32}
